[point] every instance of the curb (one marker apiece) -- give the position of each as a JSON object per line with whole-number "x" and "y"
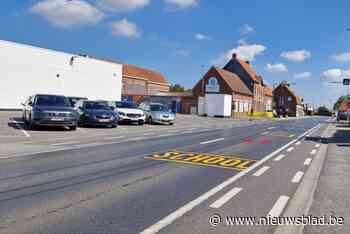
{"x": 302, "y": 200}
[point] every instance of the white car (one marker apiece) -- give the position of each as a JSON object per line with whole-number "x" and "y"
{"x": 128, "y": 112}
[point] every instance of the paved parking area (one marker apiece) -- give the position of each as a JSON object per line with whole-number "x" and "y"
{"x": 15, "y": 138}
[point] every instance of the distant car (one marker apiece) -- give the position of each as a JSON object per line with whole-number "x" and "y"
{"x": 49, "y": 110}
{"x": 74, "y": 100}
{"x": 128, "y": 112}
{"x": 157, "y": 113}
{"x": 96, "y": 113}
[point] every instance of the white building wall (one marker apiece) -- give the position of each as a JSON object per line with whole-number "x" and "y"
{"x": 27, "y": 70}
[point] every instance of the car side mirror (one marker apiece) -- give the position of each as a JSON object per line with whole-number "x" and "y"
{"x": 30, "y": 103}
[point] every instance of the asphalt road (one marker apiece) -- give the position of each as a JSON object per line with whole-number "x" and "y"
{"x": 128, "y": 185}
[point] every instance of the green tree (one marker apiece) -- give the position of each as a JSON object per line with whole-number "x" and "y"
{"x": 178, "y": 88}
{"x": 339, "y": 102}
{"x": 322, "y": 110}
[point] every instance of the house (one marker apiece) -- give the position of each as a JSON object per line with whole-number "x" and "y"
{"x": 221, "y": 81}
{"x": 252, "y": 81}
{"x": 139, "y": 82}
{"x": 287, "y": 102}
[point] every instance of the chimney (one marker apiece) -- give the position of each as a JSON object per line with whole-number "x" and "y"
{"x": 234, "y": 56}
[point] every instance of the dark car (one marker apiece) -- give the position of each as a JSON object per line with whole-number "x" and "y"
{"x": 49, "y": 110}
{"x": 342, "y": 115}
{"x": 96, "y": 113}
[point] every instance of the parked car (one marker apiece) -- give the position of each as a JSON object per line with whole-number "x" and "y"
{"x": 96, "y": 113}
{"x": 49, "y": 110}
{"x": 128, "y": 112}
{"x": 342, "y": 115}
{"x": 157, "y": 113}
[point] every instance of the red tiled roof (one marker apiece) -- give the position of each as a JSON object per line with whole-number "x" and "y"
{"x": 150, "y": 75}
{"x": 233, "y": 81}
{"x": 249, "y": 69}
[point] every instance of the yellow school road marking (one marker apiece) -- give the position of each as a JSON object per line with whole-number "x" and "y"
{"x": 203, "y": 159}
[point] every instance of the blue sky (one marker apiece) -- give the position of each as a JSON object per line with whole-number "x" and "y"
{"x": 305, "y": 42}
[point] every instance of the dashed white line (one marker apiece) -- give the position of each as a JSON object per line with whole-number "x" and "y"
{"x": 313, "y": 152}
{"x": 298, "y": 143}
{"x": 148, "y": 134}
{"x": 290, "y": 149}
{"x": 297, "y": 177}
{"x": 66, "y": 143}
{"x": 317, "y": 146}
{"x": 279, "y": 157}
{"x": 136, "y": 138}
{"x": 270, "y": 128}
{"x": 307, "y": 161}
{"x": 113, "y": 138}
{"x": 233, "y": 192}
{"x": 279, "y": 206}
{"x": 212, "y": 141}
{"x": 261, "y": 171}
{"x": 20, "y": 127}
{"x": 165, "y": 135}
{"x": 264, "y": 133}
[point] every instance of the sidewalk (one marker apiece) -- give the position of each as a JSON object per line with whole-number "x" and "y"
{"x": 332, "y": 196}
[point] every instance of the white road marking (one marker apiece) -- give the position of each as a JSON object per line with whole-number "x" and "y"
{"x": 165, "y": 135}
{"x": 279, "y": 206}
{"x": 307, "y": 161}
{"x": 290, "y": 149}
{"x": 317, "y": 145}
{"x": 298, "y": 143}
{"x": 261, "y": 171}
{"x": 297, "y": 177}
{"x": 173, "y": 131}
{"x": 313, "y": 152}
{"x": 20, "y": 127}
{"x": 113, "y": 138}
{"x": 279, "y": 157}
{"x": 186, "y": 132}
{"x": 82, "y": 130}
{"x": 136, "y": 138}
{"x": 212, "y": 141}
{"x": 189, "y": 206}
{"x": 264, "y": 133}
{"x": 66, "y": 143}
{"x": 233, "y": 192}
{"x": 149, "y": 134}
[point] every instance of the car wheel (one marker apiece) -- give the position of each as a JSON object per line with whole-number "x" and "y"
{"x": 150, "y": 121}
{"x": 171, "y": 123}
{"x": 141, "y": 123}
{"x": 114, "y": 126}
{"x": 73, "y": 128}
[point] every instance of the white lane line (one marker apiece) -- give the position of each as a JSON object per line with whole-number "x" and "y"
{"x": 113, "y": 138}
{"x": 313, "y": 152}
{"x": 173, "y": 131}
{"x": 148, "y": 134}
{"x": 307, "y": 161}
{"x": 279, "y": 206}
{"x": 290, "y": 149}
{"x": 317, "y": 146}
{"x": 186, "y": 132}
{"x": 265, "y": 133}
{"x": 169, "y": 219}
{"x": 82, "y": 130}
{"x": 279, "y": 157}
{"x": 212, "y": 141}
{"x": 233, "y": 192}
{"x": 165, "y": 135}
{"x": 298, "y": 143}
{"x": 136, "y": 138}
{"x": 19, "y": 126}
{"x": 261, "y": 171}
{"x": 66, "y": 143}
{"x": 297, "y": 177}
{"x": 270, "y": 128}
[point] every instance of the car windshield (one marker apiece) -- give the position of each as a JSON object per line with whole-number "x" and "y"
{"x": 47, "y": 100}
{"x": 126, "y": 105}
{"x": 96, "y": 106}
{"x": 159, "y": 108}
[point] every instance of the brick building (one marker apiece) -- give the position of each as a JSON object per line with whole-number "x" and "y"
{"x": 287, "y": 102}
{"x": 139, "y": 82}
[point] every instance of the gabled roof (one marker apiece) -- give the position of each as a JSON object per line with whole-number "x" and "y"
{"x": 150, "y": 75}
{"x": 249, "y": 69}
{"x": 268, "y": 91}
{"x": 233, "y": 81}
{"x": 286, "y": 86}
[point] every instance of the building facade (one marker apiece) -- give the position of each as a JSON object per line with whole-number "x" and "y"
{"x": 220, "y": 81}
{"x": 139, "y": 82}
{"x": 287, "y": 103}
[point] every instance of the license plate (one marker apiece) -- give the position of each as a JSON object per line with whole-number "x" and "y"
{"x": 103, "y": 120}
{"x": 57, "y": 119}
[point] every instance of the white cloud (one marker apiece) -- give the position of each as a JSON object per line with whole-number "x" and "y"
{"x": 201, "y": 37}
{"x": 125, "y": 28}
{"x": 245, "y": 52}
{"x": 303, "y": 75}
{"x": 182, "y": 4}
{"x": 296, "y": 55}
{"x": 183, "y": 52}
{"x": 67, "y": 14}
{"x": 335, "y": 75}
{"x": 278, "y": 67}
{"x": 246, "y": 29}
{"x": 122, "y": 5}
{"x": 344, "y": 57}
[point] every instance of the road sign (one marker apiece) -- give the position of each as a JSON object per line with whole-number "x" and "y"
{"x": 346, "y": 81}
